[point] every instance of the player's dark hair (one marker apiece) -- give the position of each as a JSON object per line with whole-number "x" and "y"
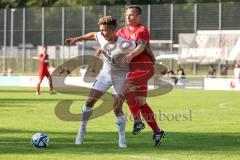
{"x": 108, "y": 21}
{"x": 136, "y": 7}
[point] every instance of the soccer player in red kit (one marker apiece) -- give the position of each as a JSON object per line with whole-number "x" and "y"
{"x": 43, "y": 70}
{"x": 142, "y": 69}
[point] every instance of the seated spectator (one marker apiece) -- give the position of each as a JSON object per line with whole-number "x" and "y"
{"x": 180, "y": 72}
{"x": 211, "y": 71}
{"x": 91, "y": 73}
{"x": 9, "y": 71}
{"x": 63, "y": 71}
{"x": 224, "y": 70}
{"x": 4, "y": 72}
{"x": 172, "y": 76}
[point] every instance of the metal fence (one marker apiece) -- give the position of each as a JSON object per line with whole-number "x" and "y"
{"x": 23, "y": 29}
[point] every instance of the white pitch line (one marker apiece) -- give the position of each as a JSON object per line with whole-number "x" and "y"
{"x": 226, "y": 106}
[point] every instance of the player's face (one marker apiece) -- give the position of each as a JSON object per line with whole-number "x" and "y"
{"x": 132, "y": 17}
{"x": 107, "y": 32}
{"x": 44, "y": 50}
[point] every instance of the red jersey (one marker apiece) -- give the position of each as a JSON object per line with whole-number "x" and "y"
{"x": 43, "y": 63}
{"x": 138, "y": 33}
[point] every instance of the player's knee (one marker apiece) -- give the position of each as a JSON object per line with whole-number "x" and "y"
{"x": 90, "y": 102}
{"x": 129, "y": 87}
{"x": 40, "y": 81}
{"x": 118, "y": 111}
{"x": 142, "y": 100}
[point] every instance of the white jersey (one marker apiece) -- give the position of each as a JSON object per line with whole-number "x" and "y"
{"x": 114, "y": 52}
{"x": 114, "y": 71}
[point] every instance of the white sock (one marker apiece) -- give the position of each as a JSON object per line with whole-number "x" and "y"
{"x": 121, "y": 125}
{"x": 87, "y": 112}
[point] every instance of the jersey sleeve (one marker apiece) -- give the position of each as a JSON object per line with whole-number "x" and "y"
{"x": 118, "y": 33}
{"x": 144, "y": 35}
{"x": 100, "y": 39}
{"x": 97, "y": 36}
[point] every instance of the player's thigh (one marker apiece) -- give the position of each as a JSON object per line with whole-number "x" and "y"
{"x": 118, "y": 85}
{"x": 143, "y": 73}
{"x": 102, "y": 83}
{"x": 41, "y": 76}
{"x": 93, "y": 96}
{"x": 141, "y": 99}
{"x": 47, "y": 74}
{"x": 49, "y": 77}
{"x": 139, "y": 77}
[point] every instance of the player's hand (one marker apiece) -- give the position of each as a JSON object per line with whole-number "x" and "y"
{"x": 128, "y": 58}
{"x": 70, "y": 41}
{"x": 98, "y": 52}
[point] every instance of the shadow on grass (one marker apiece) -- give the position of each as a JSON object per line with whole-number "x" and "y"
{"x": 106, "y": 142}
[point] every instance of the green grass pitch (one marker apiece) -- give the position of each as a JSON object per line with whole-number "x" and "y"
{"x": 207, "y": 126}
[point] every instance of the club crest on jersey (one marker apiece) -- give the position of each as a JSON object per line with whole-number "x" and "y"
{"x": 108, "y": 47}
{"x": 133, "y": 37}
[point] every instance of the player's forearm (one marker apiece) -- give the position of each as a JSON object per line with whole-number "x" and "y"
{"x": 149, "y": 52}
{"x": 88, "y": 36}
{"x": 85, "y": 37}
{"x": 139, "y": 49}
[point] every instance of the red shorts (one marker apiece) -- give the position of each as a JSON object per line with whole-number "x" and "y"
{"x": 139, "y": 77}
{"x": 44, "y": 74}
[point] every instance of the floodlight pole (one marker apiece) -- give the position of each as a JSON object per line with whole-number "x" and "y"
{"x": 104, "y": 10}
{"x": 63, "y": 26}
{"x": 43, "y": 26}
{"x": 83, "y": 32}
{"x": 149, "y": 17}
{"x": 171, "y": 33}
{"x": 5, "y": 40}
{"x": 219, "y": 28}
{"x": 23, "y": 39}
{"x": 195, "y": 31}
{"x": 11, "y": 31}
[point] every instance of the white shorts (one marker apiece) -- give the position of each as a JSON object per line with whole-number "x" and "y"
{"x": 104, "y": 81}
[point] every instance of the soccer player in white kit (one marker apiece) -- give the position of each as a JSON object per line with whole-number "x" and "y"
{"x": 113, "y": 74}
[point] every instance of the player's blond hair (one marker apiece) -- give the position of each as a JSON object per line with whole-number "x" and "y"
{"x": 108, "y": 21}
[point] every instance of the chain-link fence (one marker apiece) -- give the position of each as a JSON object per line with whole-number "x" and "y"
{"x": 22, "y": 30}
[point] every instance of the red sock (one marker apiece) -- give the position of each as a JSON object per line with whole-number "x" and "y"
{"x": 51, "y": 86}
{"x": 38, "y": 87}
{"x": 148, "y": 115}
{"x": 133, "y": 105}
